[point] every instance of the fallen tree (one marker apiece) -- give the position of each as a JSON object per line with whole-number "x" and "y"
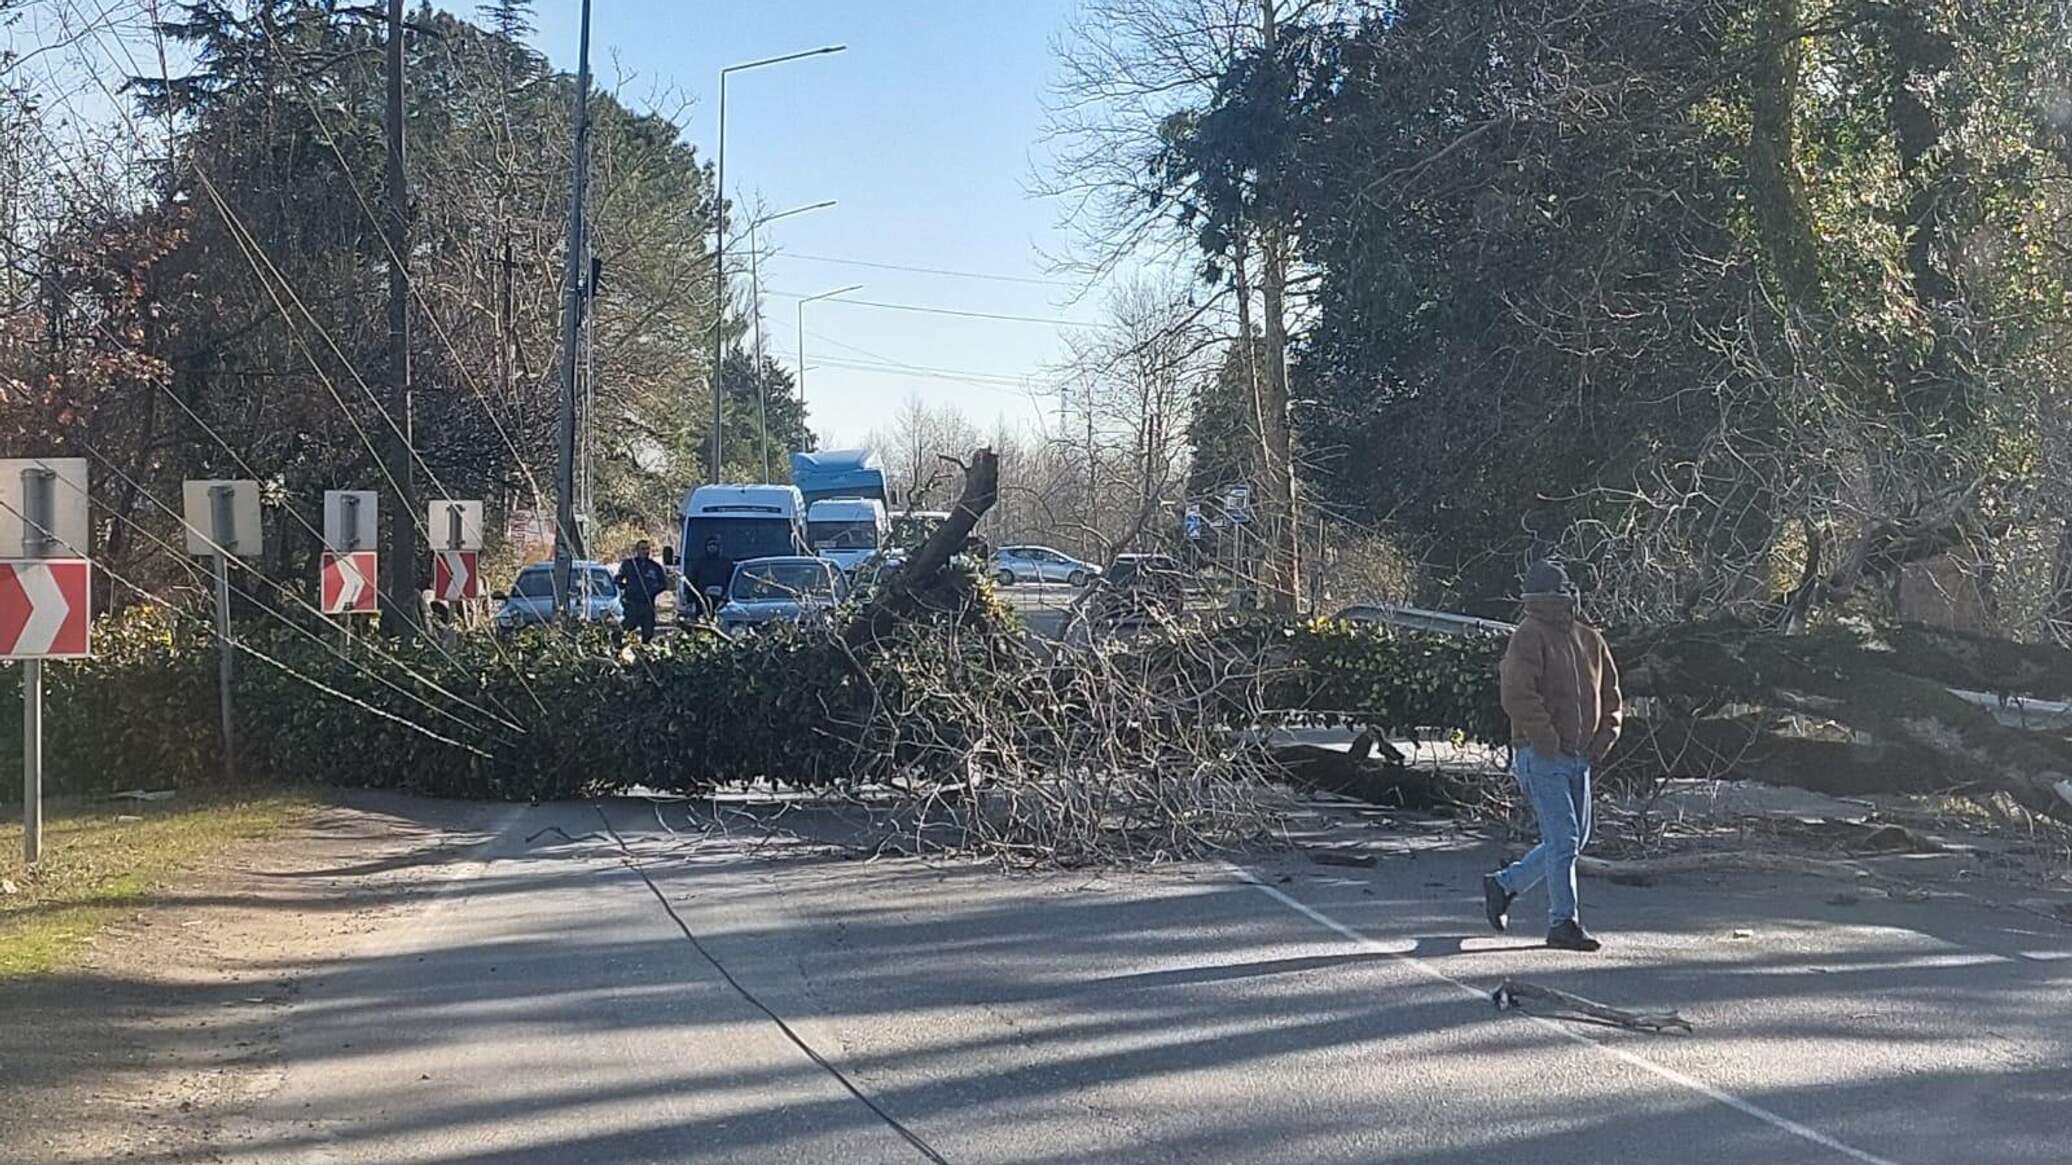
{"x": 1846, "y": 711}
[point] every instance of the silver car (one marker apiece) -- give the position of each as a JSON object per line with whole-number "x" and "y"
{"x": 1040, "y": 564}
{"x": 787, "y": 589}
{"x": 593, "y": 597}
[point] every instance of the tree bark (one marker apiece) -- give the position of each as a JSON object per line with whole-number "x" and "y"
{"x": 1780, "y": 208}
{"x": 1906, "y": 732}
{"x": 919, "y": 581}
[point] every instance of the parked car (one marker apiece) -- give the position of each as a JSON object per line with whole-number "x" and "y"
{"x": 1136, "y": 584}
{"x": 1040, "y": 564}
{"x": 1158, "y": 573}
{"x": 593, "y": 596}
{"x": 787, "y": 588}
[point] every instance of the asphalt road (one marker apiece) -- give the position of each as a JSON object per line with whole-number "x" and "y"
{"x": 564, "y": 1001}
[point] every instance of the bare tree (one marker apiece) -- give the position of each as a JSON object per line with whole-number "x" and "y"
{"x": 1133, "y": 75}
{"x": 1131, "y": 385}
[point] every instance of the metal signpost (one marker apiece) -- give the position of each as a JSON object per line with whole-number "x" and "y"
{"x": 346, "y": 575}
{"x": 454, "y": 529}
{"x": 451, "y": 524}
{"x": 222, "y": 519}
{"x": 46, "y": 595}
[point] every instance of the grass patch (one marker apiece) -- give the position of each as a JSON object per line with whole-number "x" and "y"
{"x": 104, "y": 860}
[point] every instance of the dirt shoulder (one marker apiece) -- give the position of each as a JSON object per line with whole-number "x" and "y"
{"x": 170, "y": 1019}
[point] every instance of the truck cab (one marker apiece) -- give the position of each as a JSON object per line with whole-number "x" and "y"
{"x": 840, "y": 473}
{"x": 745, "y": 521}
{"x": 848, "y": 532}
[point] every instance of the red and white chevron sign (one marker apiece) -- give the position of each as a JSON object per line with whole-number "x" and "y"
{"x": 348, "y": 582}
{"x": 45, "y": 608}
{"x": 456, "y": 575}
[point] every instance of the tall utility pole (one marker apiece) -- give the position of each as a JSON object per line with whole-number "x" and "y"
{"x": 565, "y": 533}
{"x": 802, "y": 333}
{"x": 715, "y": 447}
{"x": 755, "y": 361}
{"x": 1285, "y": 539}
{"x": 399, "y": 558}
{"x": 715, "y": 450}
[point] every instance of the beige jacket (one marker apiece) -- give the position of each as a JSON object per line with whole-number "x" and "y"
{"x": 1559, "y": 685}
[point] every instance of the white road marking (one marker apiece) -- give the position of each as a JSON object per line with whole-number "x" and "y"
{"x": 1746, "y": 1107}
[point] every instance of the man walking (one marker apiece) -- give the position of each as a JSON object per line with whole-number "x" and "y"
{"x": 640, "y": 580}
{"x": 1561, "y": 692}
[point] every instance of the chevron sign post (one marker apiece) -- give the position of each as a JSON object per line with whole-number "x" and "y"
{"x": 456, "y": 575}
{"x": 44, "y": 608}
{"x": 348, "y": 583}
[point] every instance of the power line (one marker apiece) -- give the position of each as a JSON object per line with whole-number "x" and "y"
{"x": 948, "y": 311}
{"x": 173, "y": 553}
{"x": 899, "y": 370}
{"x": 249, "y": 246}
{"x": 119, "y": 344}
{"x": 1016, "y": 378}
{"x": 248, "y": 649}
{"x": 944, "y": 271}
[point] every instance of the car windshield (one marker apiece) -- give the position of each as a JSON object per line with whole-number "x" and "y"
{"x": 1129, "y": 570}
{"x": 534, "y": 584}
{"x": 767, "y": 581}
{"x": 742, "y": 538}
{"x": 843, "y": 535}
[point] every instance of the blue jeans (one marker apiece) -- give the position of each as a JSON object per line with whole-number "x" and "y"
{"x": 1559, "y": 789}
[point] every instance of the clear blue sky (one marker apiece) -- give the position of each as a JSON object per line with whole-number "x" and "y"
{"x": 923, "y": 130}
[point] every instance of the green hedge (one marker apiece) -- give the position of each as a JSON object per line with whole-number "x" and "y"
{"x": 547, "y": 714}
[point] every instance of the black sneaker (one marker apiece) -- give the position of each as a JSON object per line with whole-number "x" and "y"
{"x": 1570, "y": 936}
{"x": 1496, "y": 903}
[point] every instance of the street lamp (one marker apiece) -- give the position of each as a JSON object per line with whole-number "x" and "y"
{"x": 719, "y": 242}
{"x": 755, "y": 300}
{"x": 802, "y": 333}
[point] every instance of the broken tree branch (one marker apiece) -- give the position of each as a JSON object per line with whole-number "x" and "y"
{"x": 1514, "y": 994}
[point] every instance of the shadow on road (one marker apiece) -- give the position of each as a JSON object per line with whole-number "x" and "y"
{"x": 549, "y": 1013}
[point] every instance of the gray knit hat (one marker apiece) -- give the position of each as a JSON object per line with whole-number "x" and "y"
{"x": 1546, "y": 579}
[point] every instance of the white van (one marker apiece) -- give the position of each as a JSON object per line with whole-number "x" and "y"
{"x": 847, "y": 531}
{"x": 747, "y": 521}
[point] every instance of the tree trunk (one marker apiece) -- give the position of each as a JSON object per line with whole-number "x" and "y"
{"x": 1901, "y": 727}
{"x": 2061, "y": 587}
{"x": 1283, "y": 554}
{"x": 918, "y": 583}
{"x": 1780, "y": 209}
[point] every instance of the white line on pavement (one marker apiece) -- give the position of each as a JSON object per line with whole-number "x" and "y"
{"x": 1747, "y": 1107}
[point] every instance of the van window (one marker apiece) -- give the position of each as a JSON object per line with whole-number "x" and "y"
{"x": 843, "y": 535}
{"x": 741, "y": 538}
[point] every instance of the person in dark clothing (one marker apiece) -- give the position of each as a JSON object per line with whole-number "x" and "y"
{"x": 1561, "y": 691}
{"x": 712, "y": 570}
{"x": 640, "y": 580}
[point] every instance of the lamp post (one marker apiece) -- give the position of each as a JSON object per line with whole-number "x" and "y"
{"x": 719, "y": 245}
{"x": 802, "y": 333}
{"x": 755, "y": 302}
